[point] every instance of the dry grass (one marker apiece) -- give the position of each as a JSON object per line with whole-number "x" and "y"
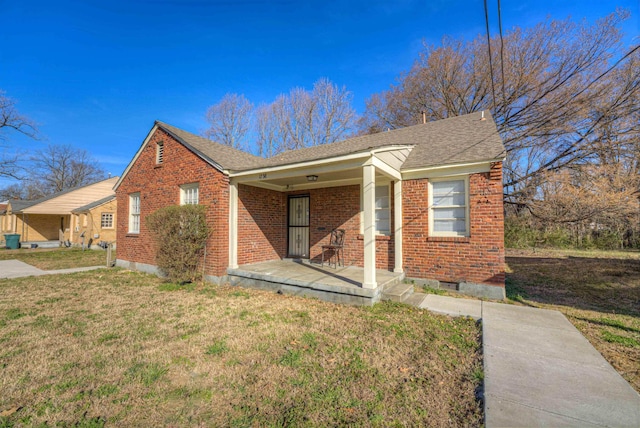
{"x": 57, "y": 258}
{"x": 598, "y": 291}
{"x": 121, "y": 348}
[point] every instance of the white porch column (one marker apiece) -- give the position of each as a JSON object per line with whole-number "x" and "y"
{"x": 397, "y": 225}
{"x": 233, "y": 225}
{"x": 369, "y": 201}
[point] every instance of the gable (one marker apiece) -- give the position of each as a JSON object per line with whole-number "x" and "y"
{"x": 65, "y": 202}
{"x": 216, "y": 155}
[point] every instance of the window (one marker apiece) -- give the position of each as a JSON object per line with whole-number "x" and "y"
{"x": 383, "y": 224}
{"x": 189, "y": 194}
{"x": 159, "y": 152}
{"x": 84, "y": 220}
{"x": 134, "y": 213}
{"x": 449, "y": 208}
{"x": 106, "y": 221}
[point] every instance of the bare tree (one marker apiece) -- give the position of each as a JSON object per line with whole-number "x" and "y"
{"x": 61, "y": 167}
{"x": 11, "y": 119}
{"x": 270, "y": 130}
{"x": 23, "y": 190}
{"x": 560, "y": 95}
{"x": 230, "y": 121}
{"x": 305, "y": 118}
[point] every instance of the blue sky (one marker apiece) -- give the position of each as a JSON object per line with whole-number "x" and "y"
{"x": 96, "y": 74}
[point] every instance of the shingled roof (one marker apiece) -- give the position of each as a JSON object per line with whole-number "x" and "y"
{"x": 224, "y": 157}
{"x": 455, "y": 140}
{"x": 461, "y": 139}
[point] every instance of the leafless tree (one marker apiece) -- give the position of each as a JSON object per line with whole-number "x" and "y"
{"x": 230, "y": 121}
{"x": 61, "y": 167}
{"x": 305, "y": 118}
{"x": 12, "y": 120}
{"x": 565, "y": 88}
{"x": 23, "y": 190}
{"x": 270, "y": 130}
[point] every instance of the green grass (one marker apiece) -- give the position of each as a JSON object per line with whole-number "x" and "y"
{"x": 58, "y": 258}
{"x": 116, "y": 348}
{"x": 217, "y": 348}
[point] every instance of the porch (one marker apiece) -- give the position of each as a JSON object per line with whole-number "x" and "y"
{"x": 304, "y": 278}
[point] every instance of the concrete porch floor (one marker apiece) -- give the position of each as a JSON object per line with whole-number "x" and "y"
{"x": 338, "y": 285}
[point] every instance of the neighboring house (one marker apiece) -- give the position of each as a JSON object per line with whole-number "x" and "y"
{"x": 95, "y": 222}
{"x": 49, "y": 221}
{"x": 424, "y": 201}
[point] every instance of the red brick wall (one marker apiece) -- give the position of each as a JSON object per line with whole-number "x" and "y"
{"x": 262, "y": 220}
{"x": 159, "y": 186}
{"x": 478, "y": 258}
{"x": 262, "y": 225}
{"x": 262, "y": 217}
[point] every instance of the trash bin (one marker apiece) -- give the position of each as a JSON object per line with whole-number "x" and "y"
{"x": 13, "y": 241}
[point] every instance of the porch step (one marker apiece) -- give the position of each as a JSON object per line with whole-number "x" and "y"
{"x": 397, "y": 292}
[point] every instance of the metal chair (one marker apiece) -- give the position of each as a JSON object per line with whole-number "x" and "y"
{"x": 336, "y": 245}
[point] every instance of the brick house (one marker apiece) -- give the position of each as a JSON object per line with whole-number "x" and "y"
{"x": 423, "y": 202}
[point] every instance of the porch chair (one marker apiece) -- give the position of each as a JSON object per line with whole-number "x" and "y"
{"x": 336, "y": 245}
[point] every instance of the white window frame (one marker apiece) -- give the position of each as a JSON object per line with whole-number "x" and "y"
{"x": 102, "y": 220}
{"x": 187, "y": 194}
{"x": 379, "y": 183}
{"x": 134, "y": 212}
{"x": 432, "y": 231}
{"x": 386, "y": 232}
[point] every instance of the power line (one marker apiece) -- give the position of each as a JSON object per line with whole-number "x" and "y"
{"x": 493, "y": 89}
{"x": 504, "y": 96}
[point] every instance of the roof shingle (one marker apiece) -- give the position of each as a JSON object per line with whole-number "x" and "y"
{"x": 460, "y": 139}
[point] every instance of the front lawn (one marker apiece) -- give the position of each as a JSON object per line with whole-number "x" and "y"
{"x": 57, "y": 258}
{"x": 598, "y": 291}
{"x": 120, "y": 348}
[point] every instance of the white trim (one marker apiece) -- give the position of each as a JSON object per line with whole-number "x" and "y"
{"x": 397, "y": 226}
{"x": 282, "y": 169}
{"x": 384, "y": 181}
{"x": 233, "y": 224}
{"x": 369, "y": 241}
{"x": 386, "y": 169}
{"x": 449, "y": 170}
{"x": 132, "y": 197}
{"x": 185, "y": 188}
{"x": 317, "y": 164}
{"x": 110, "y": 213}
{"x": 466, "y": 207}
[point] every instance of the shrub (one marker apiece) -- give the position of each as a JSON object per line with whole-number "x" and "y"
{"x": 180, "y": 234}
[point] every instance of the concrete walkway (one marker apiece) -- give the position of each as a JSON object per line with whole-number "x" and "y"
{"x": 18, "y": 269}
{"x": 539, "y": 370}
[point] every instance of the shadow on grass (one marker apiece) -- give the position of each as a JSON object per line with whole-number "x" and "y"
{"x": 601, "y": 284}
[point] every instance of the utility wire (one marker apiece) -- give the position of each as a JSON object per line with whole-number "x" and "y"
{"x": 504, "y": 96}
{"x": 486, "y": 20}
